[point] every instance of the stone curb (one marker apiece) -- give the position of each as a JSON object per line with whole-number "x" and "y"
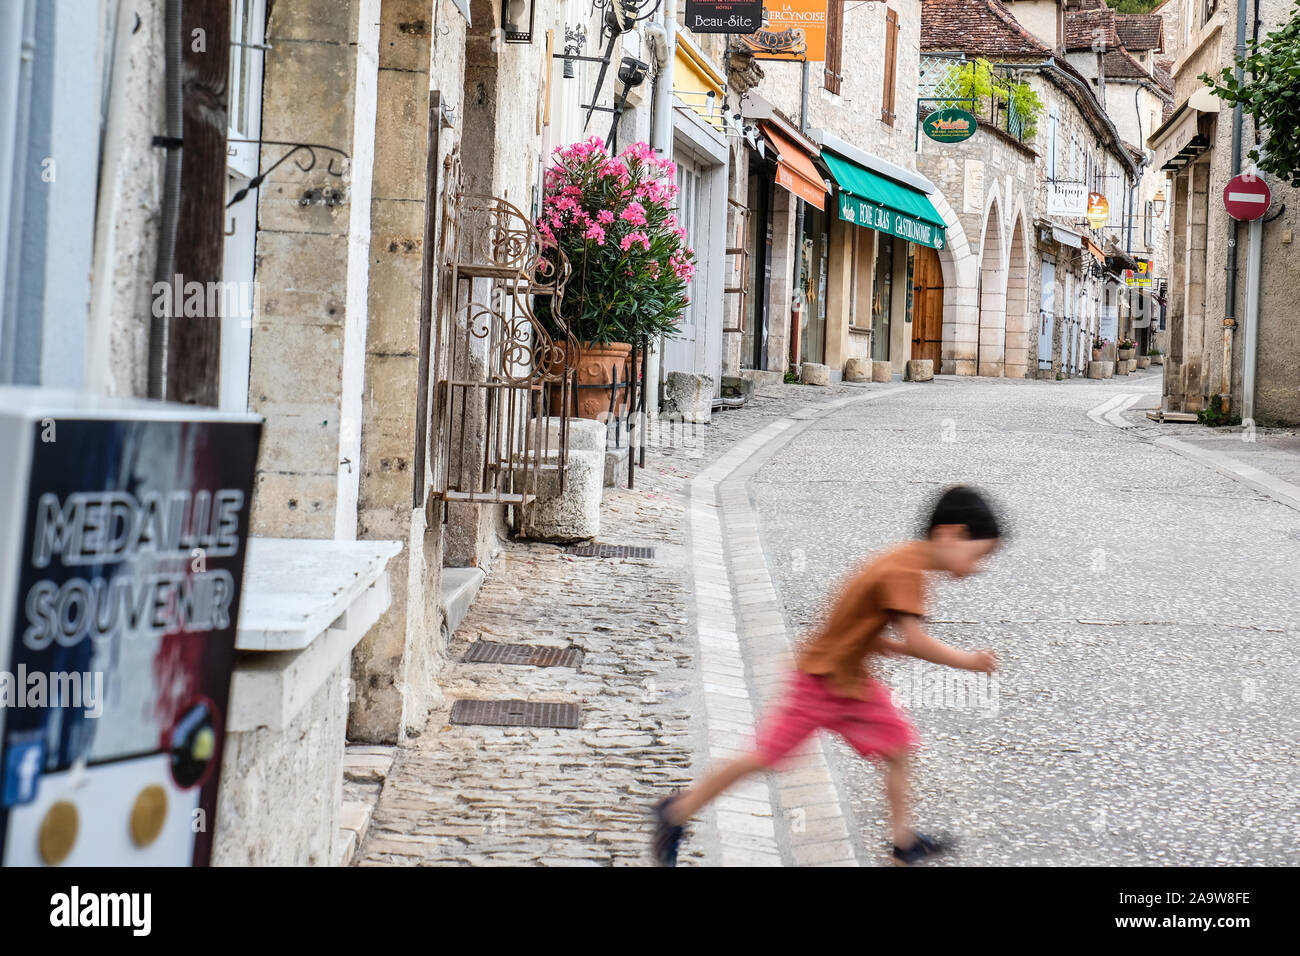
{"x": 800, "y": 816}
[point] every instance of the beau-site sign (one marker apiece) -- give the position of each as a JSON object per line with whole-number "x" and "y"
{"x": 950, "y": 125}
{"x": 724, "y": 16}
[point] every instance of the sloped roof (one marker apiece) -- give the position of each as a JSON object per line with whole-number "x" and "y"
{"x": 1085, "y": 29}
{"x": 1164, "y": 75}
{"x": 1141, "y": 32}
{"x": 981, "y": 27}
{"x": 1119, "y": 65}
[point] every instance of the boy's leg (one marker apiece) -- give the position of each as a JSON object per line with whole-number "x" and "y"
{"x": 897, "y": 791}
{"x": 690, "y": 802}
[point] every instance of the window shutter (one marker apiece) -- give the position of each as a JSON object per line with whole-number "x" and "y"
{"x": 891, "y": 67}
{"x": 834, "y": 45}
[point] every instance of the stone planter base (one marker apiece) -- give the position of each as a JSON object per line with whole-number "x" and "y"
{"x": 882, "y": 371}
{"x": 1144, "y": 361}
{"x": 574, "y": 513}
{"x": 810, "y": 373}
{"x": 1100, "y": 369}
{"x": 689, "y": 397}
{"x": 919, "y": 370}
{"x": 857, "y": 370}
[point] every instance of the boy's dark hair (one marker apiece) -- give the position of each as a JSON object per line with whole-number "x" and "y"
{"x": 962, "y": 504}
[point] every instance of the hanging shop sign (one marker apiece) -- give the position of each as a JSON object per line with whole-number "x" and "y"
{"x": 796, "y": 30}
{"x": 860, "y": 212}
{"x": 951, "y": 125}
{"x": 122, "y": 544}
{"x": 1098, "y": 210}
{"x": 1068, "y": 199}
{"x": 724, "y": 16}
{"x": 1139, "y": 278}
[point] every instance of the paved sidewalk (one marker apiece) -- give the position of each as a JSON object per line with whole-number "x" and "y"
{"x": 652, "y": 661}
{"x": 1266, "y": 460}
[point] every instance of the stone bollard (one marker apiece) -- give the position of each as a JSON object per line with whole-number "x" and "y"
{"x": 1097, "y": 369}
{"x": 810, "y": 373}
{"x": 857, "y": 370}
{"x": 1121, "y": 367}
{"x": 574, "y": 513}
{"x": 919, "y": 370}
{"x": 882, "y": 371}
{"x": 562, "y": 516}
{"x": 689, "y": 397}
{"x": 1107, "y": 369}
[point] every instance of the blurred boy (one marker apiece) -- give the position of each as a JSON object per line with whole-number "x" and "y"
{"x": 834, "y": 684}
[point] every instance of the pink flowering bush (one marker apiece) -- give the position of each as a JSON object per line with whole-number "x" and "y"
{"x": 612, "y": 216}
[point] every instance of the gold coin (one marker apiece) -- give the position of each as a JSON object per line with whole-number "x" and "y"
{"x": 58, "y": 832}
{"x": 148, "y": 814}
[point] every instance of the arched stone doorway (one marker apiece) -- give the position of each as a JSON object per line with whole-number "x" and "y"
{"x": 1017, "y": 338}
{"x": 992, "y": 298}
{"x": 960, "y": 277}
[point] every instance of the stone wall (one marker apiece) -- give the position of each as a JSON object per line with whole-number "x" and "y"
{"x": 306, "y": 371}
{"x": 854, "y": 114}
{"x": 281, "y": 790}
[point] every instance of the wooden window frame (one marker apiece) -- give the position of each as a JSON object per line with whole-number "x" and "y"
{"x": 831, "y": 74}
{"x": 890, "y": 91}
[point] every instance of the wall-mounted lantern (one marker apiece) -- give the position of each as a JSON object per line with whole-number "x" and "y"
{"x": 517, "y": 20}
{"x": 1158, "y": 203}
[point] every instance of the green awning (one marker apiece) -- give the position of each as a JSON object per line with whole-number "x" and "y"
{"x": 869, "y": 199}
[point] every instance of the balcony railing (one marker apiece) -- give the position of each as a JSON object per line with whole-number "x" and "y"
{"x": 946, "y": 80}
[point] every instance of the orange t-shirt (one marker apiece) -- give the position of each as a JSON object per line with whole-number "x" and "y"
{"x": 892, "y": 583}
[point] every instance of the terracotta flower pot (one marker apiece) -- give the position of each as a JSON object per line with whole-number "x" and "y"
{"x": 1096, "y": 355}
{"x": 598, "y": 366}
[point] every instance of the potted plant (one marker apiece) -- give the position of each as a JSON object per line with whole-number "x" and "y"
{"x": 1155, "y": 356}
{"x": 612, "y": 216}
{"x": 1125, "y": 347}
{"x": 1098, "y": 344}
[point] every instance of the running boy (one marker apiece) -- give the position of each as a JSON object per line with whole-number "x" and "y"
{"x": 834, "y": 685}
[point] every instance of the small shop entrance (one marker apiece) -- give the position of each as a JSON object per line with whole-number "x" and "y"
{"x": 927, "y": 306}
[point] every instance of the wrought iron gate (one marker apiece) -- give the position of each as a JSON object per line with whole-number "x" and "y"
{"x": 499, "y": 374}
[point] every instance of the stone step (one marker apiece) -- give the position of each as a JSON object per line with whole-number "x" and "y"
{"x": 459, "y": 588}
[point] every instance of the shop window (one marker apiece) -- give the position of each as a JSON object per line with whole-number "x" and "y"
{"x": 834, "y": 47}
{"x": 882, "y": 299}
{"x": 887, "y": 115}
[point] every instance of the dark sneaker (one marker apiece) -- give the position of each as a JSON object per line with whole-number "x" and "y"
{"x": 668, "y": 836}
{"x": 923, "y": 847}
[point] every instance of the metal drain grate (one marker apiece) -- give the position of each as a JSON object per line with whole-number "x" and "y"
{"x": 515, "y": 713}
{"x": 593, "y": 549}
{"x": 486, "y": 652}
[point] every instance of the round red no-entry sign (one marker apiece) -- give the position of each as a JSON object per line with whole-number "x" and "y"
{"x": 1246, "y": 197}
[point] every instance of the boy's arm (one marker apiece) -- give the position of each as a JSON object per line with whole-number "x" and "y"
{"x": 916, "y": 643}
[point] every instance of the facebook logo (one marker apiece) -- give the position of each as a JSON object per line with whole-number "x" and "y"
{"x": 22, "y": 770}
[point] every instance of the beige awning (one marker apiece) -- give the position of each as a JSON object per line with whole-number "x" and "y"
{"x": 1181, "y": 139}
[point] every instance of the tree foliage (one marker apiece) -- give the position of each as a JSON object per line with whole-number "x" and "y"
{"x": 1271, "y": 94}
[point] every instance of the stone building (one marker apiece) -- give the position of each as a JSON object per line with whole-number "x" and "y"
{"x": 1232, "y": 344}
{"x": 840, "y": 220}
{"x": 350, "y": 138}
{"x": 1046, "y": 281}
{"x": 1120, "y": 56}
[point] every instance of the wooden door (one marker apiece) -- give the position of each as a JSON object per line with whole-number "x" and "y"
{"x": 927, "y": 306}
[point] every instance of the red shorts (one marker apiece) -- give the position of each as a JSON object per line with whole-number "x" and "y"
{"x": 873, "y": 727}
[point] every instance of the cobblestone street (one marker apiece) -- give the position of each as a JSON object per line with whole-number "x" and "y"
{"x": 1142, "y": 715}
